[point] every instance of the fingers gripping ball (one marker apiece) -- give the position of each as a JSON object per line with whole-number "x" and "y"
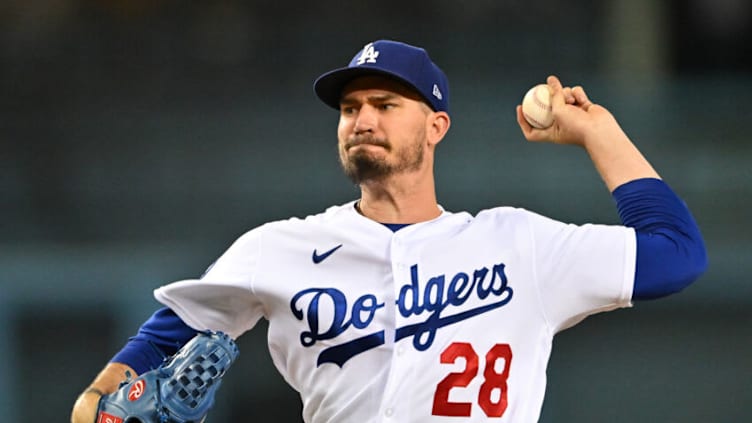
{"x": 536, "y": 107}
{"x": 180, "y": 391}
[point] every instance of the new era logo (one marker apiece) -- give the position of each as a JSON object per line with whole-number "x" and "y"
{"x": 437, "y": 92}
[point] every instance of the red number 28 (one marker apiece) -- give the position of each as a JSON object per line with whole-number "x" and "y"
{"x": 493, "y": 381}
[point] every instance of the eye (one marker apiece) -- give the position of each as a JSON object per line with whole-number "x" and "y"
{"x": 346, "y": 110}
{"x": 387, "y": 106}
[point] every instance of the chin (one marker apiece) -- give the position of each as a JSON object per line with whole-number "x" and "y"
{"x": 362, "y": 168}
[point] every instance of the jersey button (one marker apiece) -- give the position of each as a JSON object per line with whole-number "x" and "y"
{"x": 400, "y": 350}
{"x": 389, "y": 412}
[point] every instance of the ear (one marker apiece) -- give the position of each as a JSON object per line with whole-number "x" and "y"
{"x": 437, "y": 126}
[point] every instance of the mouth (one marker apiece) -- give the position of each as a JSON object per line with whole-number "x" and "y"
{"x": 366, "y": 142}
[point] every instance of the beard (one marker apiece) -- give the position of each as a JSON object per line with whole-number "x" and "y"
{"x": 362, "y": 166}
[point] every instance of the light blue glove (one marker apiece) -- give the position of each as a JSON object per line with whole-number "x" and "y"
{"x": 181, "y": 390}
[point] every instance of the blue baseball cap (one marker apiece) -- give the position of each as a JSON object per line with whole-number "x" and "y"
{"x": 403, "y": 62}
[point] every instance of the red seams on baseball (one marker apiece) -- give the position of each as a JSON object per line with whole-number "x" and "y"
{"x": 536, "y": 107}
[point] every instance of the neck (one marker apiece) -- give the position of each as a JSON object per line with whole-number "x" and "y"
{"x": 405, "y": 198}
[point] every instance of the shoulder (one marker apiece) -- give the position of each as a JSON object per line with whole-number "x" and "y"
{"x": 288, "y": 231}
{"x": 493, "y": 222}
{"x": 506, "y": 215}
{"x": 332, "y": 214}
{"x": 519, "y": 221}
{"x": 295, "y": 224}
{"x": 538, "y": 223}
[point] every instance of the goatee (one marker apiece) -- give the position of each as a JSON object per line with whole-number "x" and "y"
{"x": 362, "y": 166}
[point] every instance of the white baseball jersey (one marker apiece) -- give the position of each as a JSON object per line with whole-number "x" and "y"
{"x": 442, "y": 321}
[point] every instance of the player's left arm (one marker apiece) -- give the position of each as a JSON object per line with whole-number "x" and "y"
{"x": 670, "y": 250}
{"x": 578, "y": 121}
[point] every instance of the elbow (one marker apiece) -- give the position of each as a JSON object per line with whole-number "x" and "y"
{"x": 667, "y": 271}
{"x": 686, "y": 275}
{"x": 695, "y": 258}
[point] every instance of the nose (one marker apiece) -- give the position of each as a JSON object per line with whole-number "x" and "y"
{"x": 366, "y": 120}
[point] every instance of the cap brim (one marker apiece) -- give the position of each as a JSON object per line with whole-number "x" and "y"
{"x": 329, "y": 86}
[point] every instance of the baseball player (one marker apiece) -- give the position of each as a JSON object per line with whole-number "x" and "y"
{"x": 391, "y": 308}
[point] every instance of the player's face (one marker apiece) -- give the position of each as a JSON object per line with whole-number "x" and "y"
{"x": 382, "y": 129}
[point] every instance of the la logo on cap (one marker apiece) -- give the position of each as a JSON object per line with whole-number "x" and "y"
{"x": 368, "y": 55}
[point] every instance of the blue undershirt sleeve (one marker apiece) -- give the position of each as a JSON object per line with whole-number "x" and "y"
{"x": 158, "y": 338}
{"x": 670, "y": 249}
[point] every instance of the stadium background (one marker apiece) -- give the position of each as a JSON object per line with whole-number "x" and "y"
{"x": 139, "y": 138}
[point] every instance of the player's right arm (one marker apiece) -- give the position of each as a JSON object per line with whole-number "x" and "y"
{"x": 106, "y": 382}
{"x": 162, "y": 335}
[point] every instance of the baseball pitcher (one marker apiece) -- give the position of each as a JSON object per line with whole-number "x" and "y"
{"x": 390, "y": 308}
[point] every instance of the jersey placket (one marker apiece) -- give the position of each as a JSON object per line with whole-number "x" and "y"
{"x": 399, "y": 372}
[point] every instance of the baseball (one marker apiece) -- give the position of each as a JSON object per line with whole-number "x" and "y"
{"x": 536, "y": 107}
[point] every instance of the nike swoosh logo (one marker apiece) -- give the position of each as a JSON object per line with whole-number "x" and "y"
{"x": 318, "y": 258}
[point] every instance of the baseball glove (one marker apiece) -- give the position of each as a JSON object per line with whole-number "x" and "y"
{"x": 181, "y": 390}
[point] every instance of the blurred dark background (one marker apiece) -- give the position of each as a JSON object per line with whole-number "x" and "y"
{"x": 139, "y": 138}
